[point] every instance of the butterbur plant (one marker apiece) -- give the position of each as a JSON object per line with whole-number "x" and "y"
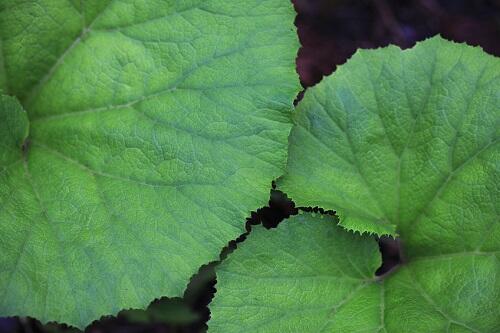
{"x": 399, "y": 143}
{"x": 137, "y": 136}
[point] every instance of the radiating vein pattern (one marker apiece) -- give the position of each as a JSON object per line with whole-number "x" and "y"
{"x": 156, "y": 127}
{"x": 309, "y": 275}
{"x": 395, "y": 136}
{"x": 396, "y": 141}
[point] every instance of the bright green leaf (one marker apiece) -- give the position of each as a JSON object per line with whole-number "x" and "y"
{"x": 155, "y": 128}
{"x": 309, "y": 275}
{"x": 395, "y": 141}
{"x": 402, "y": 140}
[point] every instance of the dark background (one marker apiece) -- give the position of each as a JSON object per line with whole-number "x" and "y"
{"x": 330, "y": 31}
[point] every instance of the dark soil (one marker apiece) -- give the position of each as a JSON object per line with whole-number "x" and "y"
{"x": 331, "y": 30}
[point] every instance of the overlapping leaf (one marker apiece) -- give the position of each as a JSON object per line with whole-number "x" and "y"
{"x": 399, "y": 142}
{"x": 155, "y": 128}
{"x": 309, "y": 275}
{"x": 402, "y": 139}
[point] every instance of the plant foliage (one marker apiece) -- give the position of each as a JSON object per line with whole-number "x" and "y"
{"x": 398, "y": 142}
{"x": 147, "y": 119}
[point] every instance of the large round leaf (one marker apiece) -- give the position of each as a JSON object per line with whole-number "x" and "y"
{"x": 402, "y": 139}
{"x": 309, "y": 275}
{"x": 395, "y": 141}
{"x": 155, "y": 128}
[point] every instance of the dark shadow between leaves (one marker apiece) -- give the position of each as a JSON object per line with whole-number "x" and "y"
{"x": 390, "y": 248}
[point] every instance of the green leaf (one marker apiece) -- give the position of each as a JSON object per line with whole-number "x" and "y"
{"x": 309, "y": 275}
{"x": 13, "y": 130}
{"x": 395, "y": 141}
{"x": 401, "y": 140}
{"x": 155, "y": 128}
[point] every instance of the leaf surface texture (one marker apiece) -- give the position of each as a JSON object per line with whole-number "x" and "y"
{"x": 401, "y": 140}
{"x": 310, "y": 275}
{"x": 397, "y": 142}
{"x": 155, "y": 128}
